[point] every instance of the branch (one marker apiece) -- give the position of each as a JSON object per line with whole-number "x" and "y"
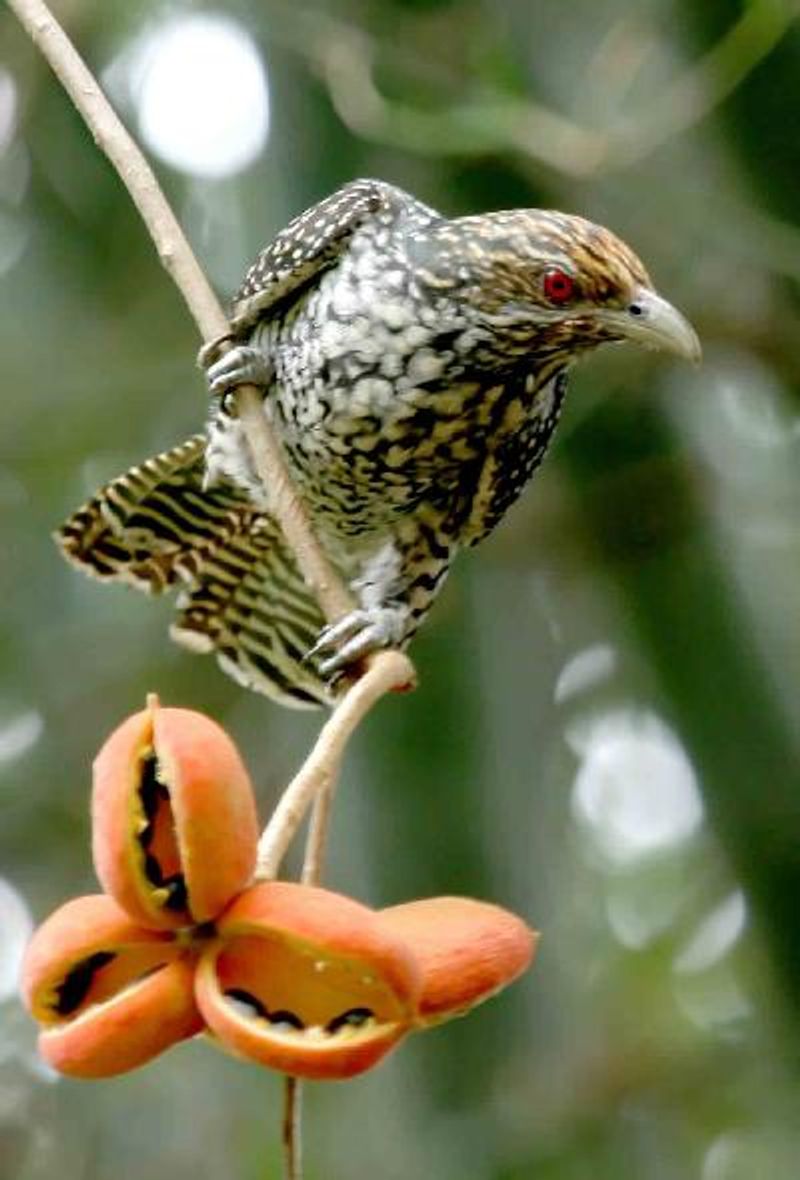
{"x": 387, "y": 671}
{"x": 177, "y": 257}
{"x": 291, "y": 1136}
{"x": 317, "y": 779}
{"x": 345, "y": 58}
{"x": 706, "y": 83}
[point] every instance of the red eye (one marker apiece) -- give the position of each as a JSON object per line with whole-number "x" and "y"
{"x": 559, "y": 287}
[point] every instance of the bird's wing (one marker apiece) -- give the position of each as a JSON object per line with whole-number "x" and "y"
{"x": 311, "y": 243}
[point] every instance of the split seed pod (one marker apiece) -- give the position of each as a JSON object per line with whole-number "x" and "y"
{"x": 467, "y": 950}
{"x": 307, "y": 981}
{"x": 174, "y": 825}
{"x": 108, "y": 994}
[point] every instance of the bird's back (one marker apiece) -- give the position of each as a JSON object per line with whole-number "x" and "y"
{"x": 390, "y": 390}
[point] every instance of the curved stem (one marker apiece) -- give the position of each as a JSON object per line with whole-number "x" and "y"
{"x": 318, "y": 825}
{"x": 386, "y": 671}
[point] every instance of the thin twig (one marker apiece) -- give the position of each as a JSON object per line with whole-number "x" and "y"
{"x": 291, "y": 1136}
{"x": 706, "y": 83}
{"x": 311, "y": 874}
{"x": 179, "y": 260}
{"x": 346, "y": 58}
{"x": 387, "y": 671}
{"x": 318, "y": 825}
{"x": 382, "y": 671}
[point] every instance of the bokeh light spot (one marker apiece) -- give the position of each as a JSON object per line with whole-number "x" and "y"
{"x": 585, "y": 670}
{"x": 18, "y": 735}
{"x": 200, "y": 90}
{"x": 715, "y": 936}
{"x": 16, "y": 927}
{"x": 635, "y": 791}
{"x": 752, "y": 1152}
{"x": 8, "y": 109}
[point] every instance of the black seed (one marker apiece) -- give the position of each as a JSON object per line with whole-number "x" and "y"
{"x": 177, "y": 897}
{"x": 151, "y": 791}
{"x": 152, "y": 870}
{"x": 247, "y": 1000}
{"x": 284, "y": 1016}
{"x": 72, "y": 992}
{"x": 352, "y": 1018}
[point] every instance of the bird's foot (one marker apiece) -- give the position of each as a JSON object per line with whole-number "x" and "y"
{"x": 212, "y": 350}
{"x": 358, "y": 634}
{"x": 239, "y": 365}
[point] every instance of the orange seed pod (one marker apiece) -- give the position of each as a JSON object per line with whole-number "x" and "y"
{"x": 174, "y": 825}
{"x": 109, "y": 994}
{"x": 306, "y": 981}
{"x": 467, "y": 950}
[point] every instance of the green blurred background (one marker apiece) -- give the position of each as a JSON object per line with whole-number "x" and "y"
{"x": 606, "y": 735}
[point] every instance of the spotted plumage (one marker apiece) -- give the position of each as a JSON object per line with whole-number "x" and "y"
{"x": 414, "y": 368}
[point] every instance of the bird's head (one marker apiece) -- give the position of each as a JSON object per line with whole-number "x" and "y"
{"x": 553, "y": 282}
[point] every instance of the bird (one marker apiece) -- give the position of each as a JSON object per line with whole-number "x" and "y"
{"x": 414, "y": 367}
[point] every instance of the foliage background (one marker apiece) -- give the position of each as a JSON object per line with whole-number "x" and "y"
{"x": 606, "y": 736}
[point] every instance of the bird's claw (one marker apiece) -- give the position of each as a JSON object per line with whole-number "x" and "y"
{"x": 212, "y": 350}
{"x": 239, "y": 365}
{"x": 357, "y": 635}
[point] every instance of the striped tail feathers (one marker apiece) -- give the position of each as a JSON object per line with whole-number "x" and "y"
{"x": 138, "y": 527}
{"x": 156, "y": 528}
{"x": 248, "y": 604}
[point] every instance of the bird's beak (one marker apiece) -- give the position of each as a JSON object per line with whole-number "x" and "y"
{"x": 651, "y": 321}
